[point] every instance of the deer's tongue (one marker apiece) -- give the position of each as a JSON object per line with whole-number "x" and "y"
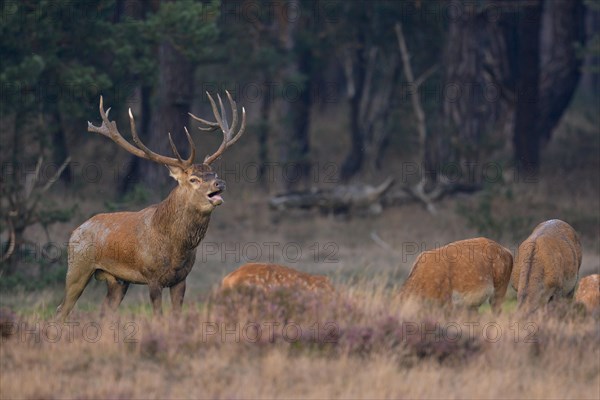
{"x": 216, "y": 199}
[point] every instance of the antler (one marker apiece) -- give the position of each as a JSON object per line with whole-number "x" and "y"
{"x": 229, "y": 138}
{"x": 109, "y": 129}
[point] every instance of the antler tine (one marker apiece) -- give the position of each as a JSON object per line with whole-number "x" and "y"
{"x": 104, "y": 114}
{"x": 233, "y": 105}
{"x": 174, "y": 148}
{"x": 109, "y": 129}
{"x": 229, "y": 137}
{"x": 212, "y": 126}
{"x": 241, "y": 131}
{"x": 190, "y": 159}
{"x": 157, "y": 157}
{"x": 225, "y": 125}
{"x": 215, "y": 110}
{"x": 136, "y": 138}
{"x": 192, "y": 156}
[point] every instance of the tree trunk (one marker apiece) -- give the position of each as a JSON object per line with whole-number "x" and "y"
{"x": 563, "y": 31}
{"x": 526, "y": 137}
{"x": 170, "y": 114}
{"x": 590, "y": 79}
{"x": 357, "y": 74}
{"x": 132, "y": 172}
{"x": 468, "y": 114}
{"x": 296, "y": 104}
{"x": 263, "y": 134}
{"x": 355, "y": 158}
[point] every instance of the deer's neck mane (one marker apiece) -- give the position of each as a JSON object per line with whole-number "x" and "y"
{"x": 185, "y": 225}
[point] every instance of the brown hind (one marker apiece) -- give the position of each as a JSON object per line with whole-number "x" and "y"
{"x": 546, "y": 265}
{"x": 269, "y": 276}
{"x": 465, "y": 273}
{"x": 588, "y": 292}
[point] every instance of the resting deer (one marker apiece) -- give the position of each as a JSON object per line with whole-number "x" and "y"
{"x": 466, "y": 273}
{"x": 547, "y": 265}
{"x": 588, "y": 292}
{"x": 157, "y": 245}
{"x": 267, "y": 276}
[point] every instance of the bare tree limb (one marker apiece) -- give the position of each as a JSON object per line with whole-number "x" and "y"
{"x": 11, "y": 241}
{"x": 423, "y": 77}
{"x": 416, "y": 99}
{"x": 442, "y": 186}
{"x": 23, "y": 199}
{"x": 381, "y": 243}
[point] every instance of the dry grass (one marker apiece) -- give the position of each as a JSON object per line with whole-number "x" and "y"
{"x": 369, "y": 346}
{"x": 373, "y": 355}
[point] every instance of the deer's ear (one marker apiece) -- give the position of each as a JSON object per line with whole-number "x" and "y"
{"x": 176, "y": 173}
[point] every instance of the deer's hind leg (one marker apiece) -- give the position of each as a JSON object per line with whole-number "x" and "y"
{"x": 78, "y": 277}
{"x": 116, "y": 291}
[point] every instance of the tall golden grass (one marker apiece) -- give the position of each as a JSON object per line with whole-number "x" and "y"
{"x": 360, "y": 343}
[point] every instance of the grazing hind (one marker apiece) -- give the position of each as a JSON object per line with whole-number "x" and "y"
{"x": 588, "y": 292}
{"x": 547, "y": 265}
{"x": 270, "y": 276}
{"x": 157, "y": 245}
{"x": 466, "y": 273}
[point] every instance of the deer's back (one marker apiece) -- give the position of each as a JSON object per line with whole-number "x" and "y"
{"x": 549, "y": 258}
{"x": 466, "y": 272}
{"x": 269, "y": 276}
{"x": 588, "y": 292}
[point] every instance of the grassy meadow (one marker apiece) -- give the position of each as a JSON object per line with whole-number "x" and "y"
{"x": 361, "y": 342}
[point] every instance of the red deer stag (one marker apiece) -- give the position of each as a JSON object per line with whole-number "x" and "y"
{"x": 546, "y": 265}
{"x": 466, "y": 273}
{"x": 267, "y": 276}
{"x": 157, "y": 245}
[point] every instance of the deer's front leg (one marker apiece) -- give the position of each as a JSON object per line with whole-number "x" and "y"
{"x": 177, "y": 293}
{"x": 156, "y": 298}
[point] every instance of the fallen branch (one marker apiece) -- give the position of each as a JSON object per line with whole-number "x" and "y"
{"x": 343, "y": 198}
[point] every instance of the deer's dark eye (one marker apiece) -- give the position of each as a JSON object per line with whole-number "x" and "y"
{"x": 194, "y": 180}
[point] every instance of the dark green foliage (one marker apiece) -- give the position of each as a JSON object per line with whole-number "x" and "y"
{"x": 68, "y": 53}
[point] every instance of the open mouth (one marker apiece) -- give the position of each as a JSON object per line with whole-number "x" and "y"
{"x": 215, "y": 197}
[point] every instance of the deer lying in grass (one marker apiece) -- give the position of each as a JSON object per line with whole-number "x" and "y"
{"x": 157, "y": 245}
{"x": 269, "y": 276}
{"x": 546, "y": 265}
{"x": 466, "y": 273}
{"x": 588, "y": 292}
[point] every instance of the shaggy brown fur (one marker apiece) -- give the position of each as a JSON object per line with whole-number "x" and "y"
{"x": 464, "y": 273}
{"x": 546, "y": 265}
{"x": 155, "y": 246}
{"x": 588, "y": 292}
{"x": 270, "y": 276}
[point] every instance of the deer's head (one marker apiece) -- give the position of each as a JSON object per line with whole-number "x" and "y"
{"x": 198, "y": 183}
